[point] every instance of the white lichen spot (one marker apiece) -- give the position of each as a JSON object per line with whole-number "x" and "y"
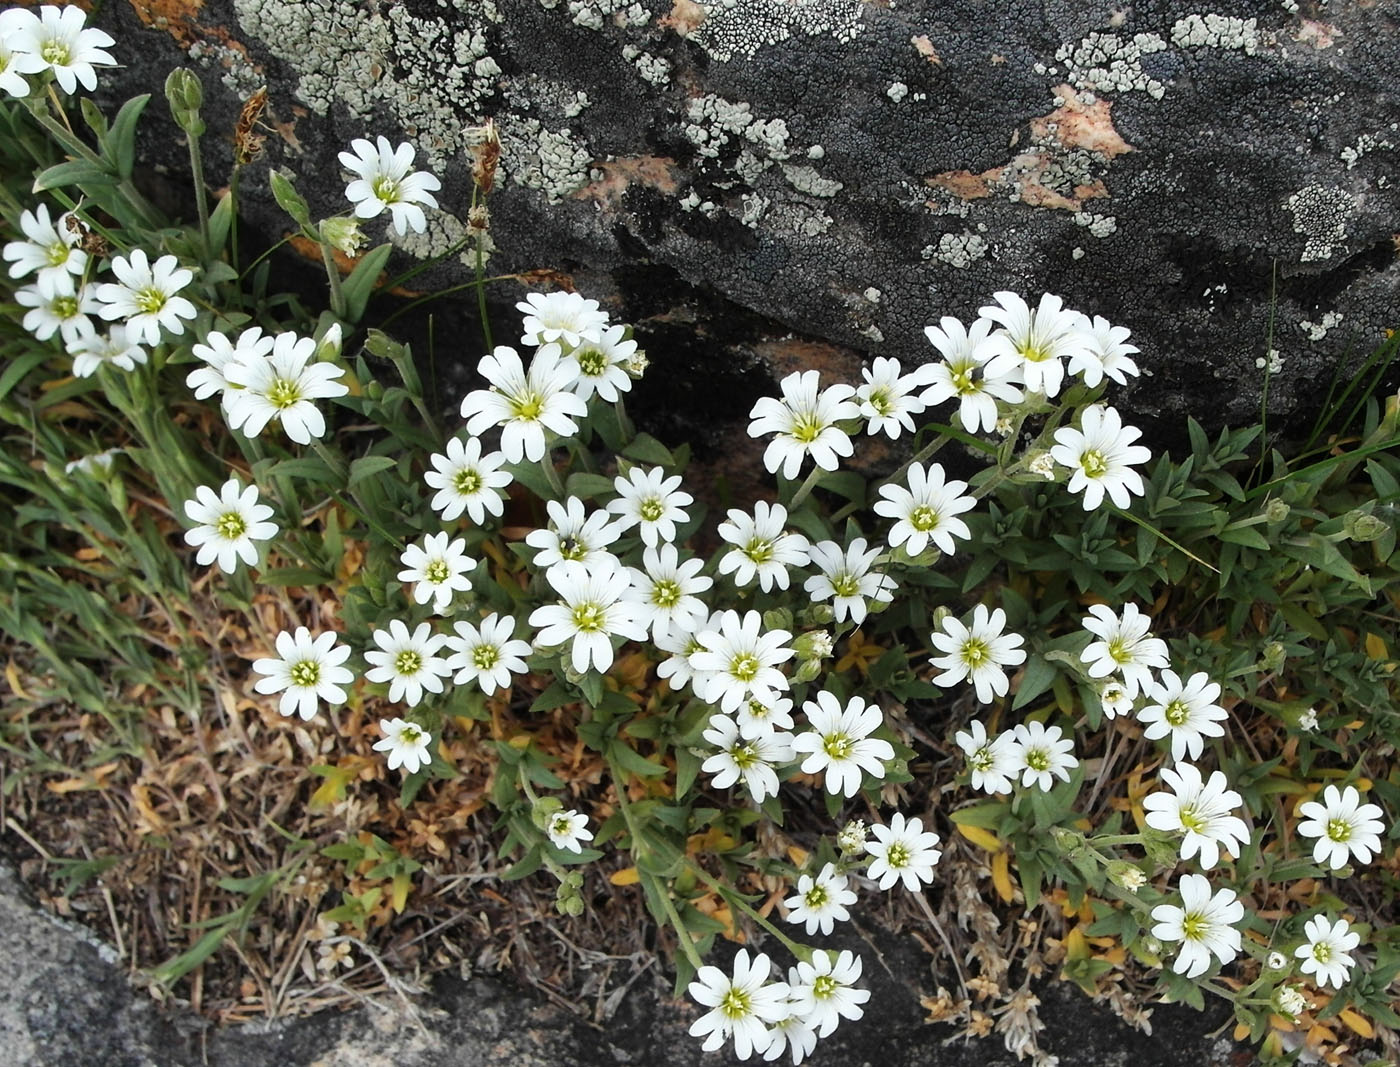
{"x": 445, "y": 232}
{"x": 1106, "y": 62}
{"x": 873, "y": 295}
{"x": 1272, "y": 362}
{"x": 1077, "y": 253}
{"x": 553, "y": 161}
{"x": 873, "y": 332}
{"x": 1321, "y": 214}
{"x": 1216, "y": 31}
{"x": 958, "y": 250}
{"x": 806, "y": 180}
{"x": 1100, "y": 226}
{"x": 654, "y": 69}
{"x": 739, "y": 28}
{"x": 1316, "y": 331}
{"x": 897, "y": 91}
{"x": 754, "y": 207}
{"x": 1367, "y": 142}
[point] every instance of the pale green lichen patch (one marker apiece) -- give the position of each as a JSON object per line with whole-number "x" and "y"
{"x": 1321, "y": 214}
{"x": 739, "y": 28}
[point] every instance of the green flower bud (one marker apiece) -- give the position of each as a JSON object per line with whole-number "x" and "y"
{"x": 344, "y": 234}
{"x": 1126, "y": 875}
{"x": 1067, "y": 840}
{"x": 1274, "y": 655}
{"x": 777, "y": 619}
{"x": 814, "y": 644}
{"x": 816, "y": 615}
{"x": 1276, "y": 511}
{"x": 543, "y": 810}
{"x": 808, "y": 671}
{"x": 1362, "y": 526}
{"x": 328, "y": 347}
{"x": 185, "y": 94}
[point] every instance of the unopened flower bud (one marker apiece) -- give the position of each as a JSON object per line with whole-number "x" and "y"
{"x": 344, "y": 234}
{"x": 1042, "y": 465}
{"x": 96, "y": 465}
{"x": 1361, "y": 526}
{"x": 1274, "y": 655}
{"x": 1289, "y": 1000}
{"x": 807, "y": 671}
{"x": 777, "y": 619}
{"x": 1066, "y": 840}
{"x": 185, "y": 94}
{"x": 851, "y": 838}
{"x": 814, "y": 644}
{"x": 1276, "y": 511}
{"x": 543, "y": 810}
{"x": 816, "y": 615}
{"x": 1277, "y": 961}
{"x": 1126, "y": 875}
{"x": 328, "y": 347}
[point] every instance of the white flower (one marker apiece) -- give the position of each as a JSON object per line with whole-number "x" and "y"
{"x": 1104, "y": 353}
{"x": 1099, "y": 453}
{"x": 825, "y": 992}
{"x": 282, "y": 387}
{"x": 1343, "y": 827}
{"x": 1039, "y": 339}
{"x": 91, "y": 350}
{"x": 963, "y": 373}
{"x": 1114, "y": 698}
{"x": 96, "y": 465}
{"x": 851, "y": 838}
{"x": 904, "y": 852}
{"x": 747, "y": 760}
{"x": 568, "y": 830}
{"x": 59, "y": 307}
{"x": 979, "y": 653}
{"x": 306, "y": 670}
{"x": 759, "y": 718}
{"x": 736, "y": 663}
{"x": 228, "y": 524}
{"x": 1290, "y": 1001}
{"x": 992, "y": 762}
{"x": 59, "y": 37}
{"x": 1327, "y": 955}
{"x": 887, "y": 398}
{"x": 663, "y": 594}
{"x": 739, "y": 1005}
{"x": 466, "y": 480}
{"x": 805, "y": 421}
{"x": 821, "y": 901}
{"x": 1123, "y": 645}
{"x": 602, "y": 364}
{"x": 1185, "y": 712}
{"x": 15, "y": 64}
{"x": 144, "y": 295}
{"x": 839, "y": 742}
{"x": 677, "y": 668}
{"x": 566, "y": 318}
{"x": 487, "y": 654}
{"x": 385, "y": 178}
{"x": 573, "y": 536}
{"x": 650, "y": 501}
{"x": 439, "y": 569}
{"x": 218, "y": 354}
{"x": 791, "y": 1033}
{"x": 409, "y": 662}
{"x": 1200, "y": 809}
{"x": 847, "y": 579}
{"x": 525, "y": 403}
{"x": 1043, "y": 754}
{"x": 407, "y": 744}
{"x": 51, "y": 252}
{"x": 589, "y": 613}
{"x": 762, "y": 548}
{"x": 1308, "y": 720}
{"x": 1042, "y": 464}
{"x": 1202, "y": 923}
{"x": 927, "y": 510}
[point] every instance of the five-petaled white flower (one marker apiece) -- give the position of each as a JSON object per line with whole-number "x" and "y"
{"x": 218, "y": 353}
{"x": 466, "y": 480}
{"x": 407, "y": 744}
{"x": 602, "y": 364}
{"x": 1202, "y": 810}
{"x": 568, "y": 830}
{"x": 488, "y": 653}
{"x": 806, "y": 422}
{"x": 144, "y": 295}
{"x": 60, "y": 307}
{"x": 650, "y": 501}
{"x": 992, "y": 761}
{"x": 663, "y": 593}
{"x": 64, "y": 44}
{"x": 385, "y": 178}
{"x": 1185, "y": 712}
{"x": 926, "y": 511}
{"x": 1099, "y": 454}
{"x": 848, "y": 579}
{"x": 409, "y": 662}
{"x": 762, "y": 548}
{"x": 306, "y": 670}
{"x": 1124, "y": 645}
{"x": 676, "y": 668}
{"x": 1039, "y": 339}
{"x": 51, "y": 252}
{"x": 977, "y": 653}
{"x": 791, "y": 1033}
{"x": 590, "y": 612}
{"x": 757, "y": 718}
{"x": 739, "y": 1005}
{"x": 747, "y": 760}
{"x": 736, "y": 662}
{"x": 15, "y": 64}
{"x": 1203, "y": 923}
{"x": 839, "y": 742}
{"x": 1327, "y": 954}
{"x": 825, "y": 992}
{"x": 573, "y": 536}
{"x": 91, "y": 350}
{"x": 525, "y": 403}
{"x": 1114, "y": 698}
{"x": 1043, "y": 754}
{"x": 1344, "y": 827}
{"x": 963, "y": 374}
{"x": 904, "y": 852}
{"x": 439, "y": 568}
{"x": 282, "y": 387}
{"x": 564, "y": 318}
{"x": 1105, "y": 352}
{"x": 820, "y": 901}
{"x": 888, "y": 398}
{"x": 228, "y": 524}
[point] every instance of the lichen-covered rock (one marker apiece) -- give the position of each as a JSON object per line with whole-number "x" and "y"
{"x": 1201, "y": 174}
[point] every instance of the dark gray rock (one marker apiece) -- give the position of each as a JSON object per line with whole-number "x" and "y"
{"x": 849, "y": 171}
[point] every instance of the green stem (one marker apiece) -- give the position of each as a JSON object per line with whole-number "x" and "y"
{"x": 733, "y": 899}
{"x": 338, "y": 306}
{"x": 683, "y": 939}
{"x": 480, "y": 279}
{"x": 233, "y": 184}
{"x": 805, "y": 489}
{"x": 551, "y": 472}
{"x": 1115, "y": 839}
{"x": 927, "y": 452}
{"x": 624, "y": 423}
{"x": 201, "y": 194}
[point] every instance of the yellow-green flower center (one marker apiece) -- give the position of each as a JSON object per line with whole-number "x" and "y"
{"x": 981, "y": 760}
{"x": 744, "y": 666}
{"x": 1121, "y": 649}
{"x": 759, "y": 550}
{"x": 466, "y": 482}
{"x": 846, "y": 585}
{"x": 1195, "y": 926}
{"x": 974, "y": 651}
{"x": 410, "y": 735}
{"x": 386, "y": 189}
{"x": 1095, "y": 466}
{"x": 963, "y": 377}
{"x": 824, "y": 986}
{"x": 1322, "y": 952}
{"x": 1190, "y": 820}
{"x": 736, "y": 1004}
{"x": 1038, "y": 759}
{"x": 1339, "y": 830}
{"x": 591, "y": 362}
{"x": 55, "y": 51}
{"x": 1177, "y": 712}
{"x": 58, "y": 254}
{"x": 881, "y": 402}
{"x": 806, "y": 428}
{"x": 305, "y": 673}
{"x": 64, "y": 307}
{"x": 744, "y": 756}
{"x": 651, "y": 509}
{"x": 572, "y": 548}
{"x": 815, "y": 897}
{"x": 1033, "y": 351}
{"x": 149, "y": 300}
{"x": 231, "y": 526}
{"x": 408, "y": 662}
{"x": 897, "y": 856}
{"x": 283, "y": 393}
{"x": 437, "y": 571}
{"x": 589, "y": 618}
{"x": 484, "y": 657}
{"x": 838, "y": 746}
{"x": 923, "y": 518}
{"x": 527, "y": 406}
{"x": 665, "y": 593}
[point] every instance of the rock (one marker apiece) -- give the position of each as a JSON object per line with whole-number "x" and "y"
{"x": 1209, "y": 177}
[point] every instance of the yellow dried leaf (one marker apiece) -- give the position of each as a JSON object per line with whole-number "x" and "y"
{"x": 626, "y": 876}
{"x": 402, "y": 884}
{"x": 12, "y": 679}
{"x": 1357, "y": 1022}
{"x": 980, "y": 837}
{"x": 1375, "y": 646}
{"x": 798, "y": 856}
{"x": 1241, "y": 1031}
{"x": 1076, "y": 947}
{"x": 1001, "y": 877}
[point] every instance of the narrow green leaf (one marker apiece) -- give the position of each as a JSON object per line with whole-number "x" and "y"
{"x": 122, "y": 138}
{"x": 75, "y": 172}
{"x": 368, "y": 467}
{"x": 360, "y": 285}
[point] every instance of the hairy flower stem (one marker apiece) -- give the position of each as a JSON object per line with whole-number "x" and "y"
{"x": 805, "y": 489}
{"x": 201, "y": 195}
{"x": 927, "y": 452}
{"x": 734, "y": 900}
{"x": 338, "y": 306}
{"x": 480, "y": 280}
{"x": 551, "y": 473}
